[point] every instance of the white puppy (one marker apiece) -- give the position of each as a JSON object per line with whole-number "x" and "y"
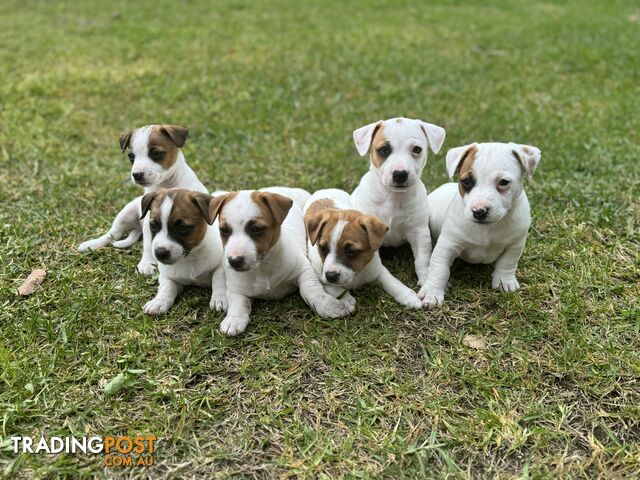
{"x": 188, "y": 250}
{"x": 485, "y": 217}
{"x": 392, "y": 189}
{"x": 346, "y": 255}
{"x": 156, "y": 162}
{"x": 265, "y": 250}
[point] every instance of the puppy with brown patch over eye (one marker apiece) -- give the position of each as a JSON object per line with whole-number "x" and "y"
{"x": 485, "y": 217}
{"x": 186, "y": 246}
{"x": 343, "y": 247}
{"x": 156, "y": 162}
{"x": 265, "y": 254}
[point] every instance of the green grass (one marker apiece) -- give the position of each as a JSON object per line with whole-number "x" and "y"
{"x": 271, "y": 92}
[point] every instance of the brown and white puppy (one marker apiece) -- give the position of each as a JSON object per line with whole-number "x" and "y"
{"x": 156, "y": 162}
{"x": 484, "y": 217}
{"x": 185, "y": 245}
{"x": 343, "y": 247}
{"x": 265, "y": 254}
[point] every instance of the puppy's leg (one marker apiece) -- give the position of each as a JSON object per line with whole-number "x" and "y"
{"x": 168, "y": 290}
{"x": 504, "y": 273}
{"x": 398, "y": 290}
{"x": 126, "y": 220}
{"x": 132, "y": 238}
{"x": 324, "y": 304}
{"x": 238, "y": 313}
{"x": 432, "y": 292}
{"x": 146, "y": 265}
{"x": 341, "y": 294}
{"x": 420, "y": 241}
{"x": 218, "y": 291}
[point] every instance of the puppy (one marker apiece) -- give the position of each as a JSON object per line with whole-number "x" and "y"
{"x": 265, "y": 254}
{"x": 346, "y": 255}
{"x": 392, "y": 189}
{"x": 485, "y": 217}
{"x": 188, "y": 250}
{"x": 156, "y": 162}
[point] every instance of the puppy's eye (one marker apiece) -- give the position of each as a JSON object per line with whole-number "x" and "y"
{"x": 183, "y": 228}
{"x": 384, "y": 151}
{"x": 467, "y": 183}
{"x": 131, "y": 156}
{"x": 324, "y": 250}
{"x": 351, "y": 252}
{"x": 155, "y": 226}
{"x": 504, "y": 182}
{"x": 225, "y": 231}
{"x": 156, "y": 155}
{"x": 417, "y": 150}
{"x": 256, "y": 230}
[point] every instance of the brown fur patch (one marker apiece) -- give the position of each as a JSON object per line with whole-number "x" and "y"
{"x": 319, "y": 205}
{"x": 377, "y": 140}
{"x": 216, "y": 208}
{"x": 273, "y": 210}
{"x": 465, "y": 167}
{"x": 163, "y": 145}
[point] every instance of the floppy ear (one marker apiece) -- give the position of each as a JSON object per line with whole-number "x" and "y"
{"x": 375, "y": 229}
{"x": 125, "y": 140}
{"x": 202, "y": 201}
{"x": 178, "y": 135}
{"x": 362, "y": 137}
{"x": 315, "y": 223}
{"x": 435, "y": 135}
{"x": 528, "y": 156}
{"x": 215, "y": 206}
{"x": 278, "y": 205}
{"x": 147, "y": 200}
{"x": 455, "y": 157}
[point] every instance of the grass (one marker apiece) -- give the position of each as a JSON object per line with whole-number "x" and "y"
{"x": 271, "y": 92}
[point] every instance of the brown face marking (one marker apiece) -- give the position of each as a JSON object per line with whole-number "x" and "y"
{"x": 265, "y": 228}
{"x": 164, "y": 142}
{"x": 464, "y": 171}
{"x": 318, "y": 206}
{"x": 378, "y": 140}
{"x": 216, "y": 208}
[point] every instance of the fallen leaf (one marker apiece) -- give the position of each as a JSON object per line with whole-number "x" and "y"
{"x": 34, "y": 279}
{"x": 115, "y": 384}
{"x": 473, "y": 341}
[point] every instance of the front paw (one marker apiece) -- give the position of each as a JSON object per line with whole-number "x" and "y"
{"x": 233, "y": 325}
{"x": 146, "y": 267}
{"x": 330, "y": 307}
{"x": 89, "y": 245}
{"x": 410, "y": 300}
{"x": 218, "y": 302}
{"x": 506, "y": 283}
{"x": 157, "y": 306}
{"x": 349, "y": 301}
{"x": 431, "y": 297}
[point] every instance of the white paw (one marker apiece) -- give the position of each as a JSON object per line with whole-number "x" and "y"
{"x": 506, "y": 283}
{"x": 157, "y": 306}
{"x": 89, "y": 245}
{"x": 218, "y": 302}
{"x": 330, "y": 307}
{"x": 145, "y": 267}
{"x": 349, "y": 301}
{"x": 430, "y": 297}
{"x": 233, "y": 326}
{"x": 410, "y": 300}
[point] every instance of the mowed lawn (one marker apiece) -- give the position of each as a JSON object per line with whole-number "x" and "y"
{"x": 271, "y": 92}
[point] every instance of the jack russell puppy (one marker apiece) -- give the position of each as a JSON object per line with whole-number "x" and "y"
{"x": 392, "y": 189}
{"x": 485, "y": 217}
{"x": 265, "y": 254}
{"x": 156, "y": 162}
{"x": 346, "y": 255}
{"x": 185, "y": 245}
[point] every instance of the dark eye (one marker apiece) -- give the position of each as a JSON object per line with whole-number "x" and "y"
{"x": 256, "y": 230}
{"x": 156, "y": 155}
{"x": 351, "y": 252}
{"x": 131, "y": 156}
{"x": 324, "y": 250}
{"x": 504, "y": 182}
{"x": 182, "y": 227}
{"x": 417, "y": 150}
{"x": 384, "y": 151}
{"x": 467, "y": 182}
{"x": 225, "y": 231}
{"x": 155, "y": 226}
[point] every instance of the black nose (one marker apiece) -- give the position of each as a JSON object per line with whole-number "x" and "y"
{"x": 332, "y": 277}
{"x": 400, "y": 176}
{"x": 161, "y": 254}
{"x": 236, "y": 262}
{"x": 480, "y": 213}
{"x": 138, "y": 176}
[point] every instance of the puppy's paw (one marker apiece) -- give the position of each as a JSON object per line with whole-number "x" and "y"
{"x": 329, "y": 307}
{"x": 218, "y": 302}
{"x": 90, "y": 245}
{"x": 157, "y": 306}
{"x": 349, "y": 301}
{"x": 506, "y": 283}
{"x": 145, "y": 267}
{"x": 234, "y": 325}
{"x": 431, "y": 298}
{"x": 410, "y": 300}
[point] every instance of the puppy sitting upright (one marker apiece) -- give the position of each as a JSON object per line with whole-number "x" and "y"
{"x": 485, "y": 217}
{"x": 392, "y": 189}
{"x": 346, "y": 255}
{"x": 265, "y": 254}
{"x": 188, "y": 250}
{"x": 156, "y": 162}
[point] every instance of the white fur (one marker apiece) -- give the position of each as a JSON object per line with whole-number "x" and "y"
{"x": 283, "y": 270}
{"x": 374, "y": 271}
{"x": 405, "y": 210}
{"x": 179, "y": 175}
{"x": 502, "y": 235}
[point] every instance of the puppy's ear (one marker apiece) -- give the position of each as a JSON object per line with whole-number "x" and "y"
{"x": 314, "y": 224}
{"x": 178, "y": 135}
{"x": 362, "y": 137}
{"x": 278, "y": 205}
{"x": 528, "y": 156}
{"x": 216, "y": 202}
{"x": 456, "y": 156}
{"x": 435, "y": 135}
{"x": 202, "y": 201}
{"x": 147, "y": 201}
{"x": 125, "y": 140}
{"x": 375, "y": 230}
